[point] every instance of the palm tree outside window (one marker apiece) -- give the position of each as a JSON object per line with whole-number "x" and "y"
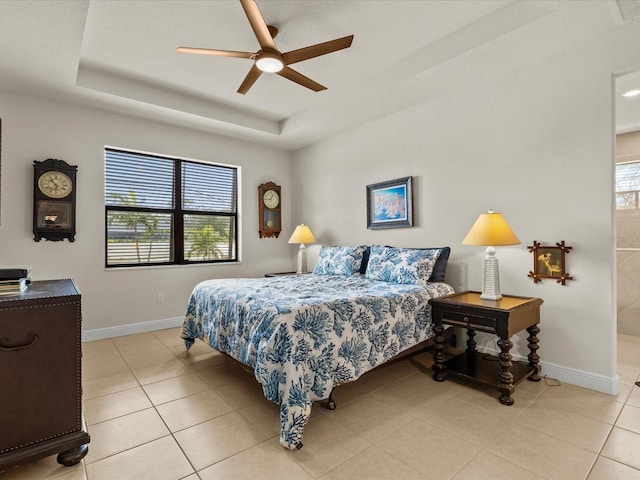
{"x": 161, "y": 210}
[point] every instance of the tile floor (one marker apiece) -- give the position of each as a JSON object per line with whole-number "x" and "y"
{"x": 155, "y": 411}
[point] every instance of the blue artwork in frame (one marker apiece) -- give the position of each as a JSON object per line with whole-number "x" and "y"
{"x": 390, "y": 204}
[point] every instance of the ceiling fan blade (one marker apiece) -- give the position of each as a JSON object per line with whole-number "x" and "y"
{"x": 300, "y": 79}
{"x": 258, "y": 24}
{"x": 209, "y": 51}
{"x": 316, "y": 50}
{"x": 250, "y": 79}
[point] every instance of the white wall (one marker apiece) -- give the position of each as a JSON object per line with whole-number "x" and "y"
{"x": 35, "y": 129}
{"x": 535, "y": 144}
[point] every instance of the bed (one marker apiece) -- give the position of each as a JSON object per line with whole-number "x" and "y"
{"x": 303, "y": 335}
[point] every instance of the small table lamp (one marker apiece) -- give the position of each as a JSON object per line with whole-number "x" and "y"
{"x": 491, "y": 229}
{"x": 302, "y": 234}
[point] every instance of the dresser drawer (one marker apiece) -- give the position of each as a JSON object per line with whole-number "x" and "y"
{"x": 477, "y": 322}
{"x": 40, "y": 375}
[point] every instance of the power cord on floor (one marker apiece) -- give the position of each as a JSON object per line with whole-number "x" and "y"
{"x": 551, "y": 382}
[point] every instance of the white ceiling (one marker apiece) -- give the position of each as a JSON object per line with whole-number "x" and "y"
{"x": 120, "y": 56}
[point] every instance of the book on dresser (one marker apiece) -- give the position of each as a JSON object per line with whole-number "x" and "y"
{"x": 14, "y": 279}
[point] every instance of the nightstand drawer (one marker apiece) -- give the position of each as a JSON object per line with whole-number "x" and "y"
{"x": 477, "y": 322}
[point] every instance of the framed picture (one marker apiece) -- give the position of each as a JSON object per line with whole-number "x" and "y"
{"x": 390, "y": 204}
{"x": 549, "y": 262}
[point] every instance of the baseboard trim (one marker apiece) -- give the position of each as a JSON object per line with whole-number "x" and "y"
{"x": 573, "y": 376}
{"x": 580, "y": 378}
{"x": 130, "y": 329}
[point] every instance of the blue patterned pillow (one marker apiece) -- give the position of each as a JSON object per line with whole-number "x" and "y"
{"x": 339, "y": 260}
{"x": 401, "y": 265}
{"x": 439, "y": 269}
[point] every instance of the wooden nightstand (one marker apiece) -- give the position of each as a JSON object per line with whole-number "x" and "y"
{"x": 503, "y": 318}
{"x": 282, "y": 274}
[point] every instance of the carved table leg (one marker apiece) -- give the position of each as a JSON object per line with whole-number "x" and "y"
{"x": 471, "y": 342}
{"x": 534, "y": 359}
{"x": 438, "y": 356}
{"x": 505, "y": 379}
{"x": 73, "y": 456}
{"x": 471, "y": 345}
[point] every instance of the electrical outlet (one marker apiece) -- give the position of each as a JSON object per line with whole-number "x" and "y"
{"x": 161, "y": 298}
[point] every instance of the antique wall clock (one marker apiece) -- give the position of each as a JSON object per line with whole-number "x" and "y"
{"x": 269, "y": 210}
{"x": 54, "y": 200}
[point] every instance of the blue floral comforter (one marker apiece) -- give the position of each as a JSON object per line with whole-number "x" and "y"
{"x": 305, "y": 334}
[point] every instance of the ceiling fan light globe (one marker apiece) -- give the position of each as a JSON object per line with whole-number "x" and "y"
{"x": 270, "y": 63}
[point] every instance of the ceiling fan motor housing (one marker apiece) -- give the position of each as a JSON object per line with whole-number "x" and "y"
{"x": 269, "y": 60}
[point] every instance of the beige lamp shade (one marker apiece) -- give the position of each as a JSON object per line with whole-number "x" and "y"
{"x": 491, "y": 229}
{"x": 302, "y": 234}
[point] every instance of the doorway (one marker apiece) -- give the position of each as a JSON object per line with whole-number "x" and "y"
{"x": 627, "y": 187}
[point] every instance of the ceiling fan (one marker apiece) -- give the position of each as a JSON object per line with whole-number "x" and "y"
{"x": 269, "y": 58}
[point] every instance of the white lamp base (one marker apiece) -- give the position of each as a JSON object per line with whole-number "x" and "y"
{"x": 302, "y": 259}
{"x": 491, "y": 277}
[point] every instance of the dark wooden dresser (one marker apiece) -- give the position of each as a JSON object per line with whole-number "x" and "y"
{"x": 40, "y": 374}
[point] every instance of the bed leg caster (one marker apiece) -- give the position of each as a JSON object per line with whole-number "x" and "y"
{"x": 331, "y": 403}
{"x": 299, "y": 445}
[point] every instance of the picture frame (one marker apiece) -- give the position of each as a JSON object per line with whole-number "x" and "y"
{"x": 390, "y": 204}
{"x": 549, "y": 262}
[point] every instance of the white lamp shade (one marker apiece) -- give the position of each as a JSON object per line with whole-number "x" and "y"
{"x": 491, "y": 229}
{"x": 302, "y": 234}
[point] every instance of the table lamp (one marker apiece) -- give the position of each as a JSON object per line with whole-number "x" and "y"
{"x": 302, "y": 234}
{"x": 491, "y": 229}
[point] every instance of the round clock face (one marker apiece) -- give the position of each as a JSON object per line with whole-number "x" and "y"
{"x": 271, "y": 199}
{"x": 55, "y": 184}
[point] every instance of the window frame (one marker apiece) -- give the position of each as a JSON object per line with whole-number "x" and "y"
{"x": 177, "y": 213}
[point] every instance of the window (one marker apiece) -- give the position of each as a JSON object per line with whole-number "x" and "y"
{"x": 161, "y": 210}
{"x": 628, "y": 205}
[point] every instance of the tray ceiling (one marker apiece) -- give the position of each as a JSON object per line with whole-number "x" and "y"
{"x": 120, "y": 56}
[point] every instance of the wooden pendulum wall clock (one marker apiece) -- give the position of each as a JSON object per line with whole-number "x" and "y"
{"x": 269, "y": 210}
{"x": 54, "y": 200}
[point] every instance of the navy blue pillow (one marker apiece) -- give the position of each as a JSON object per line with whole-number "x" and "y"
{"x": 440, "y": 268}
{"x": 365, "y": 260}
